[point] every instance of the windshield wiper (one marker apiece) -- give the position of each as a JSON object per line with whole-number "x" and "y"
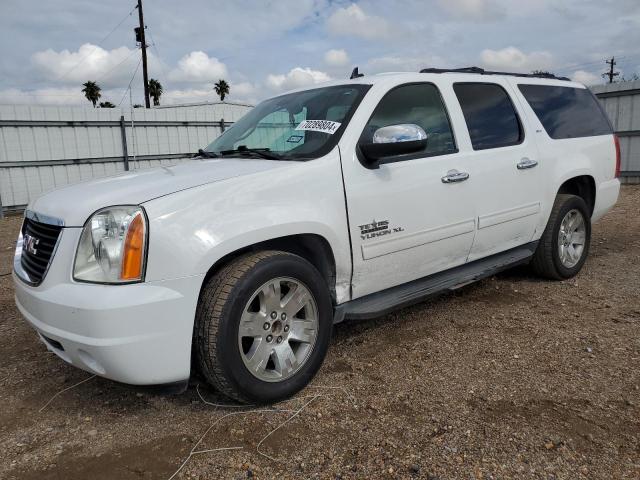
{"x": 204, "y": 154}
{"x": 259, "y": 152}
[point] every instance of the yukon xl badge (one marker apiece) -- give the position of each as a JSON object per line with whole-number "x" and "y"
{"x": 377, "y": 229}
{"x": 30, "y": 243}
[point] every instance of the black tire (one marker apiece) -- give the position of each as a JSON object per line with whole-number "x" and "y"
{"x": 546, "y": 261}
{"x": 222, "y": 301}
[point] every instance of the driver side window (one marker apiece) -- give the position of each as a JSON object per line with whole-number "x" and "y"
{"x": 419, "y": 104}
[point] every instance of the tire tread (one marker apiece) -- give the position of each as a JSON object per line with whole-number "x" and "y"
{"x": 214, "y": 297}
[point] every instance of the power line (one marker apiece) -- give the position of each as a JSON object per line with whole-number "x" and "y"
{"x": 130, "y": 82}
{"x": 97, "y": 46}
{"x": 105, "y": 74}
{"x": 153, "y": 44}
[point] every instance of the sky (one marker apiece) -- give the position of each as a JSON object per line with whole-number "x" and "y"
{"x": 48, "y": 48}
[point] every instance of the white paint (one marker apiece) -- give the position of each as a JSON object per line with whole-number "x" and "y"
{"x": 201, "y": 211}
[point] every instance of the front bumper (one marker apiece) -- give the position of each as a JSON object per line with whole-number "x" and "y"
{"x": 138, "y": 334}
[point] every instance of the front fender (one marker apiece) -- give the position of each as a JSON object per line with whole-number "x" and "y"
{"x": 190, "y": 231}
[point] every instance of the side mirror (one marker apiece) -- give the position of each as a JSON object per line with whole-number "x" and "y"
{"x": 393, "y": 140}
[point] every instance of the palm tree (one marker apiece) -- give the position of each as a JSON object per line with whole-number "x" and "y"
{"x": 155, "y": 90}
{"x": 107, "y": 104}
{"x": 222, "y": 89}
{"x": 91, "y": 90}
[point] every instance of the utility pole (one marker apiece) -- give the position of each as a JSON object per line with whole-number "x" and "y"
{"x": 143, "y": 43}
{"x": 611, "y": 74}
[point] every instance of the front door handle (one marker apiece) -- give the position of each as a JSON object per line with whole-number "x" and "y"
{"x": 454, "y": 176}
{"x": 526, "y": 163}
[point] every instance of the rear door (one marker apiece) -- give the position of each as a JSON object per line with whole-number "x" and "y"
{"x": 504, "y": 167}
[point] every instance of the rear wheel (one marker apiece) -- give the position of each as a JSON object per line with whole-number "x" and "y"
{"x": 263, "y": 326}
{"x": 564, "y": 245}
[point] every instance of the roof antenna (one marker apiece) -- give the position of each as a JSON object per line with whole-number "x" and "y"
{"x": 355, "y": 74}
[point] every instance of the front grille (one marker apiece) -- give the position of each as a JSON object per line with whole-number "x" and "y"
{"x": 38, "y": 244}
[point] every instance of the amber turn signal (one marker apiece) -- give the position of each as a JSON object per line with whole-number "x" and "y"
{"x": 133, "y": 258}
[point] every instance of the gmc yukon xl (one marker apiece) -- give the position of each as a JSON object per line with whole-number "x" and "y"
{"x": 341, "y": 201}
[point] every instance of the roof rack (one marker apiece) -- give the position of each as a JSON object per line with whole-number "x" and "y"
{"x": 482, "y": 71}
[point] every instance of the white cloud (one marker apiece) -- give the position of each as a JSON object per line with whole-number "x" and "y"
{"x": 59, "y": 96}
{"x": 89, "y": 62}
{"x": 586, "y": 78}
{"x": 243, "y": 90}
{"x": 297, "y": 77}
{"x": 485, "y": 10}
{"x": 353, "y": 21}
{"x": 401, "y": 64}
{"x": 198, "y": 67}
{"x": 512, "y": 59}
{"x": 336, "y": 58}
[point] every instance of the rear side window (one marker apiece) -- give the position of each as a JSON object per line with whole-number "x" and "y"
{"x": 567, "y": 112}
{"x": 490, "y": 115}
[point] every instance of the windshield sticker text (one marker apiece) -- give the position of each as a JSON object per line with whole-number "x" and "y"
{"x": 325, "y": 126}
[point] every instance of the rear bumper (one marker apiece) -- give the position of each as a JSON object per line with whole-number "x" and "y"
{"x": 606, "y": 198}
{"x": 137, "y": 334}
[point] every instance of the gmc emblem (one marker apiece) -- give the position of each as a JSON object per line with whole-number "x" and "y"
{"x": 30, "y": 243}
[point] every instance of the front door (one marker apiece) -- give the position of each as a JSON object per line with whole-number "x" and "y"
{"x": 406, "y": 222}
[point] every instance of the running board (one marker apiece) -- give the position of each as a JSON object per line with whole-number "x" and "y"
{"x": 386, "y": 301}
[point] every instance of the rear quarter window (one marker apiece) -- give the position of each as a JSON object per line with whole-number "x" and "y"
{"x": 567, "y": 112}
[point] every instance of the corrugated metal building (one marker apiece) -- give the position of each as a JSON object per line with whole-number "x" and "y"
{"x": 47, "y": 147}
{"x": 622, "y": 103}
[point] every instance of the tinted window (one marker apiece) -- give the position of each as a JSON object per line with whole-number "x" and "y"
{"x": 491, "y": 118}
{"x": 566, "y": 112}
{"x": 421, "y": 105}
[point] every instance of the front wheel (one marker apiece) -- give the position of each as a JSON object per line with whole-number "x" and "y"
{"x": 564, "y": 245}
{"x": 263, "y": 326}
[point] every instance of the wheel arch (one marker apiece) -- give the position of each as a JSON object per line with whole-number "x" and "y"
{"x": 583, "y": 186}
{"x": 312, "y": 247}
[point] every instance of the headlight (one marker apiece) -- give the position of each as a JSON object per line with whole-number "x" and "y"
{"x": 112, "y": 246}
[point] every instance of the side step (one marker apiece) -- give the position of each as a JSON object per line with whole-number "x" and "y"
{"x": 386, "y": 301}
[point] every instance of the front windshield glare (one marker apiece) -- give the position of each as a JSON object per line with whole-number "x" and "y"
{"x": 297, "y": 126}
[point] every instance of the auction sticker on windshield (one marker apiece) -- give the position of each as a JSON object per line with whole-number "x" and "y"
{"x": 325, "y": 126}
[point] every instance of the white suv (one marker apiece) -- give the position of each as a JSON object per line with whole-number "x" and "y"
{"x": 342, "y": 201}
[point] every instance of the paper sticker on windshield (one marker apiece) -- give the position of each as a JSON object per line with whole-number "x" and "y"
{"x": 295, "y": 138}
{"x": 325, "y": 126}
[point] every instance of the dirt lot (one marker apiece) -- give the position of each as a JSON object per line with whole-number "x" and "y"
{"x": 510, "y": 378}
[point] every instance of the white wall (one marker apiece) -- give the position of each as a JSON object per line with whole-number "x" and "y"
{"x": 41, "y": 156}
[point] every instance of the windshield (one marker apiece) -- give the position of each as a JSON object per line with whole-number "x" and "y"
{"x": 297, "y": 126}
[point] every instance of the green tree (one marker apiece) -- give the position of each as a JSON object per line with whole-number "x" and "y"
{"x": 92, "y": 90}
{"x": 222, "y": 89}
{"x": 107, "y": 104}
{"x": 155, "y": 90}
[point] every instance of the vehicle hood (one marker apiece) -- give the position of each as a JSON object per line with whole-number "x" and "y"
{"x": 75, "y": 203}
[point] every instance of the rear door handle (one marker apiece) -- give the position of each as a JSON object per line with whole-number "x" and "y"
{"x": 454, "y": 176}
{"x": 526, "y": 163}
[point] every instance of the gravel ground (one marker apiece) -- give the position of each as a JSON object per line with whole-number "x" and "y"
{"x": 512, "y": 377}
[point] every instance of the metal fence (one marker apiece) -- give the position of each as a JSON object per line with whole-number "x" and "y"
{"x": 42, "y": 148}
{"x": 622, "y": 103}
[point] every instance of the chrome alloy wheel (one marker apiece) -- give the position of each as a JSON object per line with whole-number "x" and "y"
{"x": 278, "y": 329}
{"x": 571, "y": 238}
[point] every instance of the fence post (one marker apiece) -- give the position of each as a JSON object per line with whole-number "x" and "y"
{"x": 222, "y": 124}
{"x": 123, "y": 134}
{"x": 1, "y": 208}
